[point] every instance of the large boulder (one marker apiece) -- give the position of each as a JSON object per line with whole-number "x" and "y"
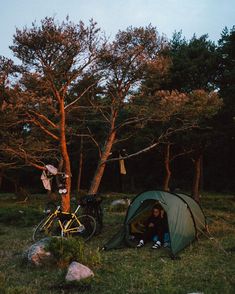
{"x": 37, "y": 254}
{"x": 77, "y": 271}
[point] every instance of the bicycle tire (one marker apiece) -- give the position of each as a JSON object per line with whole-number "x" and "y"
{"x": 89, "y": 224}
{"x": 99, "y": 220}
{"x": 97, "y": 213}
{"x": 41, "y": 231}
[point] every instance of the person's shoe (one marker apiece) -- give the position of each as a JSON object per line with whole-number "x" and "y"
{"x": 141, "y": 244}
{"x": 166, "y": 244}
{"x": 156, "y": 245}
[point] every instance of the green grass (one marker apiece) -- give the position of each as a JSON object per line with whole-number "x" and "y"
{"x": 203, "y": 266}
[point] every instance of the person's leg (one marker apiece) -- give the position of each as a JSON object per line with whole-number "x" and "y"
{"x": 158, "y": 238}
{"x": 166, "y": 240}
{"x": 147, "y": 236}
{"x": 160, "y": 234}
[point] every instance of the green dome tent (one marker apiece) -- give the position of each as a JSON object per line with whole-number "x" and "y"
{"x": 184, "y": 215}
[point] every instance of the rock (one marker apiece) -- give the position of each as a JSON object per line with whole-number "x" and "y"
{"x": 77, "y": 272}
{"x": 37, "y": 255}
{"x": 124, "y": 202}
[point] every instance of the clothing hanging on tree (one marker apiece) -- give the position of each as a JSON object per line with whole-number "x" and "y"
{"x": 122, "y": 167}
{"x": 47, "y": 174}
{"x": 46, "y": 181}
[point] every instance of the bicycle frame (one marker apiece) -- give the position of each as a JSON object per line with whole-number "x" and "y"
{"x": 65, "y": 228}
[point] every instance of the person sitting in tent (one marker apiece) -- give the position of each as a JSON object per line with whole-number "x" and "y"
{"x": 156, "y": 229}
{"x": 165, "y": 229}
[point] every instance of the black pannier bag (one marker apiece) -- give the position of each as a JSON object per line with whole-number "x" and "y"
{"x": 91, "y": 205}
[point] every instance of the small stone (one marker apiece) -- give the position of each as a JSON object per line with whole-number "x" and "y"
{"x": 77, "y": 272}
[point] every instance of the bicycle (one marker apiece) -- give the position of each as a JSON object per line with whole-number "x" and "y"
{"x": 65, "y": 224}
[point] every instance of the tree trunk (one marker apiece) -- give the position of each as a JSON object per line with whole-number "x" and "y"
{"x": 104, "y": 156}
{"x": 66, "y": 160}
{"x": 101, "y": 165}
{"x": 80, "y": 166}
{"x": 167, "y": 176}
{"x": 201, "y": 174}
{"x": 16, "y": 183}
{"x": 197, "y": 176}
{"x": 133, "y": 189}
{"x": 1, "y": 177}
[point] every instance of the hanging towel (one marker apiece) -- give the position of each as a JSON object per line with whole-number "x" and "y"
{"x": 122, "y": 167}
{"x": 53, "y": 170}
{"x": 46, "y": 181}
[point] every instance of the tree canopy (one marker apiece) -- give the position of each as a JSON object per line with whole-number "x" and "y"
{"x": 76, "y": 96}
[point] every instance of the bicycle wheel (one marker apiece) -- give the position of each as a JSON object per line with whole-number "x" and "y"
{"x": 87, "y": 228}
{"x": 46, "y": 228}
{"x": 97, "y": 213}
{"x": 99, "y": 220}
{"x": 50, "y": 207}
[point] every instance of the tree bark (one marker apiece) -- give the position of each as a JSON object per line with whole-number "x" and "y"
{"x": 102, "y": 164}
{"x": 104, "y": 155}
{"x": 64, "y": 151}
{"x": 197, "y": 176}
{"x": 167, "y": 167}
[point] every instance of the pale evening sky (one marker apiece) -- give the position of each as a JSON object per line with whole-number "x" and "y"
{"x": 190, "y": 16}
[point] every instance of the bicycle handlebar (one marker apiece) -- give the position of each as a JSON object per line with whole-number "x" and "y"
{"x": 58, "y": 208}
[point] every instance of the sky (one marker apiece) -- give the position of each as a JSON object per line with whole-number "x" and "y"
{"x": 190, "y": 16}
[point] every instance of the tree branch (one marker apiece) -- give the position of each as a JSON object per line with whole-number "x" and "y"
{"x": 164, "y": 135}
{"x": 75, "y": 75}
{"x": 44, "y": 129}
{"x": 94, "y": 141}
{"x": 181, "y": 154}
{"x": 100, "y": 110}
{"x": 43, "y": 117}
{"x": 133, "y": 154}
{"x": 129, "y": 122}
{"x": 23, "y": 155}
{"x": 79, "y": 97}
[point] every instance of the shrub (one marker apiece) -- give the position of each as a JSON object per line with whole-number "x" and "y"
{"x": 67, "y": 250}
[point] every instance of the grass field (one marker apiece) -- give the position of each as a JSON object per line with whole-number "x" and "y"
{"x": 203, "y": 266}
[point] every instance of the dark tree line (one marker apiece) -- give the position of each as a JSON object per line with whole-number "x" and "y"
{"x": 85, "y": 104}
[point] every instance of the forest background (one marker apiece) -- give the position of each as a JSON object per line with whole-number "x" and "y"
{"x": 84, "y": 103}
